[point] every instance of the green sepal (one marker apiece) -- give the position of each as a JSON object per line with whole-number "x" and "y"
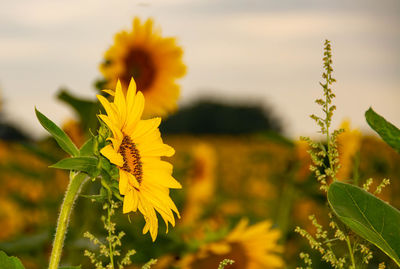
{"x": 85, "y": 164}
{"x": 387, "y": 131}
{"x": 111, "y": 185}
{"x": 59, "y": 135}
{"x": 9, "y": 262}
{"x": 110, "y": 169}
{"x": 368, "y": 216}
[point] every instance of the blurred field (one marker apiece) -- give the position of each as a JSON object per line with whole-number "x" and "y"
{"x": 225, "y": 178}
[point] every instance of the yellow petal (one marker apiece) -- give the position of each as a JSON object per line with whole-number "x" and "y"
{"x": 120, "y": 103}
{"x": 161, "y": 208}
{"x": 131, "y": 93}
{"x": 116, "y": 143}
{"x": 114, "y": 129}
{"x": 135, "y": 200}
{"x": 110, "y": 110}
{"x": 157, "y": 149}
{"x": 123, "y": 182}
{"x": 150, "y": 217}
{"x": 135, "y": 110}
{"x": 133, "y": 181}
{"x": 110, "y": 92}
{"x": 128, "y": 202}
{"x": 144, "y": 127}
{"x": 114, "y": 157}
{"x": 162, "y": 178}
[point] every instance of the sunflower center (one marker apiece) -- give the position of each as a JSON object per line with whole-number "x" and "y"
{"x": 199, "y": 170}
{"x": 140, "y": 66}
{"x": 238, "y": 253}
{"x": 131, "y": 156}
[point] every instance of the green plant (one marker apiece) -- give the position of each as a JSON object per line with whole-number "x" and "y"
{"x": 359, "y": 217}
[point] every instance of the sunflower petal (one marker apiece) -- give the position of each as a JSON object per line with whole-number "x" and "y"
{"x": 123, "y": 182}
{"x": 157, "y": 149}
{"x": 110, "y": 92}
{"x": 128, "y": 202}
{"x": 135, "y": 111}
{"x": 144, "y": 127}
{"x": 120, "y": 103}
{"x": 114, "y": 157}
{"x": 109, "y": 108}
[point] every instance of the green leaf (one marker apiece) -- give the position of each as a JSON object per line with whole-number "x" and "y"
{"x": 59, "y": 135}
{"x": 70, "y": 267}
{"x": 368, "y": 216}
{"x": 7, "y": 262}
{"x": 84, "y": 164}
{"x": 387, "y": 131}
{"x": 88, "y": 148}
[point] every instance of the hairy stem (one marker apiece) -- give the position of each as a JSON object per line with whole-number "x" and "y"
{"x": 76, "y": 182}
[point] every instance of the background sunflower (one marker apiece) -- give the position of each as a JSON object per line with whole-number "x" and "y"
{"x": 155, "y": 62}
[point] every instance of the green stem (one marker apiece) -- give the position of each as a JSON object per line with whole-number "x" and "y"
{"x": 328, "y": 137}
{"x": 74, "y": 187}
{"x": 110, "y": 235}
{"x": 351, "y": 252}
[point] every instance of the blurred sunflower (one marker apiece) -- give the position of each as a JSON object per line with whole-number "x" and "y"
{"x": 201, "y": 185}
{"x": 155, "y": 62}
{"x": 349, "y": 144}
{"x": 303, "y": 160}
{"x": 75, "y": 131}
{"x": 11, "y": 221}
{"x": 251, "y": 247}
{"x": 136, "y": 149}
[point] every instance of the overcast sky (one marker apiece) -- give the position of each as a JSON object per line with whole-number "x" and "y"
{"x": 263, "y": 51}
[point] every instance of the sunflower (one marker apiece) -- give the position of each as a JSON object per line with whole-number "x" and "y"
{"x": 136, "y": 149}
{"x": 201, "y": 185}
{"x": 349, "y": 144}
{"x": 75, "y": 131}
{"x": 152, "y": 60}
{"x": 303, "y": 161}
{"x": 251, "y": 247}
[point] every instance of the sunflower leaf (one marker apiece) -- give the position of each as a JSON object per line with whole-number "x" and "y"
{"x": 368, "y": 216}
{"x": 9, "y": 262}
{"x": 59, "y": 135}
{"x": 387, "y": 131}
{"x": 84, "y": 163}
{"x": 88, "y": 148}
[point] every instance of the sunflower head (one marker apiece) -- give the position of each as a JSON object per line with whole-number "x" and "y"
{"x": 349, "y": 143}
{"x": 251, "y": 247}
{"x": 201, "y": 183}
{"x": 136, "y": 149}
{"x": 155, "y": 62}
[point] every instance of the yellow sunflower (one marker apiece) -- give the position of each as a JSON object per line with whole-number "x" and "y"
{"x": 155, "y": 62}
{"x": 251, "y": 247}
{"x": 201, "y": 185}
{"x": 75, "y": 131}
{"x": 136, "y": 149}
{"x": 349, "y": 144}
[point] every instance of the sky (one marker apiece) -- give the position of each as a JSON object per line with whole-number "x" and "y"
{"x": 260, "y": 51}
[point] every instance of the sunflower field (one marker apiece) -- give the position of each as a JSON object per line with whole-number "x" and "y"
{"x": 136, "y": 181}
